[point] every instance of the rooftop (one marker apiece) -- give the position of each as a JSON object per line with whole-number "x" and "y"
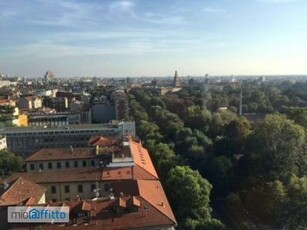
{"x": 57, "y": 129}
{"x": 20, "y": 191}
{"x": 147, "y": 198}
{"x": 62, "y": 154}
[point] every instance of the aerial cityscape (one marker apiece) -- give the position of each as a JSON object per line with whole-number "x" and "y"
{"x": 132, "y": 114}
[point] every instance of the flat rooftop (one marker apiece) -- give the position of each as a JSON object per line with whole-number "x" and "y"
{"x": 61, "y": 128}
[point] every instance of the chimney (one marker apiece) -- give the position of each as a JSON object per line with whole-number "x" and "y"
{"x": 6, "y": 185}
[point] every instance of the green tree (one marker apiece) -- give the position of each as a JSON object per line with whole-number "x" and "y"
{"x": 221, "y": 175}
{"x": 276, "y": 148}
{"x": 190, "y": 194}
{"x": 10, "y": 163}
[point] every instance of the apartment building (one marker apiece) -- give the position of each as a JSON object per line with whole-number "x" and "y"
{"x": 110, "y": 185}
{"x": 27, "y": 140}
{"x": 31, "y": 102}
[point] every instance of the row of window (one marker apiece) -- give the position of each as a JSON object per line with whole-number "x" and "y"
{"x": 80, "y": 188}
{"x": 67, "y": 165}
{"x": 64, "y": 132}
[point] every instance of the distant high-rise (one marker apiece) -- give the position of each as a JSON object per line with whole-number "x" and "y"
{"x": 49, "y": 76}
{"x": 121, "y": 105}
{"x": 176, "y": 82}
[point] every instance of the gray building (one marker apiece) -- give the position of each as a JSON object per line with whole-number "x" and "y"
{"x": 103, "y": 113}
{"x": 27, "y": 140}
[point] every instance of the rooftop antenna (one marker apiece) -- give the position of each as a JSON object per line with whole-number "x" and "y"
{"x": 241, "y": 99}
{"x": 240, "y": 105}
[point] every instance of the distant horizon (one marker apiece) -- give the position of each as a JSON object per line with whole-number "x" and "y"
{"x": 167, "y": 76}
{"x": 117, "y": 38}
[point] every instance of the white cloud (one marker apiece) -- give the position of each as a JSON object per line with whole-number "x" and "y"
{"x": 213, "y": 10}
{"x": 278, "y": 1}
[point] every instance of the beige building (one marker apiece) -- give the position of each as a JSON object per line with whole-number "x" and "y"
{"x": 31, "y": 102}
{"x": 119, "y": 190}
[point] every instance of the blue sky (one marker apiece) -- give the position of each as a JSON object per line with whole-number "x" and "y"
{"x": 153, "y": 37}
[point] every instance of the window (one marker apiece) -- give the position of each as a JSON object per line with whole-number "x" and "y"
{"x": 53, "y": 189}
{"x": 49, "y": 165}
{"x": 93, "y": 186}
{"x": 41, "y": 165}
{"x": 32, "y": 166}
{"x": 84, "y": 163}
{"x": 58, "y": 165}
{"x": 93, "y": 163}
{"x": 80, "y": 188}
{"x": 76, "y": 164}
{"x": 66, "y": 188}
{"x": 133, "y": 209}
{"x": 106, "y": 187}
{"x": 67, "y": 164}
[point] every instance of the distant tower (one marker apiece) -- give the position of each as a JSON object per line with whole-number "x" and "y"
{"x": 48, "y": 76}
{"x": 240, "y": 105}
{"x": 176, "y": 82}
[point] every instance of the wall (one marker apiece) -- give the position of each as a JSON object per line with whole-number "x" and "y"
{"x": 103, "y": 113}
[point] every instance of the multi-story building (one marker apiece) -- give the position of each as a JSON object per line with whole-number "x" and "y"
{"x": 27, "y": 140}
{"x": 49, "y": 76}
{"x": 60, "y": 104}
{"x": 49, "y": 120}
{"x": 122, "y": 192}
{"x": 30, "y": 102}
{"x": 121, "y": 105}
{"x": 176, "y": 82}
{"x": 103, "y": 112}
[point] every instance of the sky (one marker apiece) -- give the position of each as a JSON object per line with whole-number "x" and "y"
{"x": 120, "y": 38}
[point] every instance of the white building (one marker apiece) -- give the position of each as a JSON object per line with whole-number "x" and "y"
{"x": 3, "y": 142}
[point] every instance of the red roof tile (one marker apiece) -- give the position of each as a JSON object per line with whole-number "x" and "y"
{"x": 62, "y": 154}
{"x": 73, "y": 175}
{"x": 152, "y": 191}
{"x": 19, "y": 191}
{"x": 141, "y": 157}
{"x": 102, "y": 141}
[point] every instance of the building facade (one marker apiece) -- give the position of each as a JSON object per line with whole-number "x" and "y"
{"x": 27, "y": 140}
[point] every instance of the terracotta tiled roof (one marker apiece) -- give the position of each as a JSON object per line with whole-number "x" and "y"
{"x": 141, "y": 157}
{"x": 83, "y": 175}
{"x": 62, "y": 154}
{"x": 4, "y": 101}
{"x": 133, "y": 201}
{"x": 103, "y": 216}
{"x": 140, "y": 173}
{"x": 73, "y": 175}
{"x": 102, "y": 141}
{"x": 123, "y": 173}
{"x": 20, "y": 191}
{"x": 151, "y": 190}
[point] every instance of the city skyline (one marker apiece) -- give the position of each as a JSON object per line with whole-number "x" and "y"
{"x": 153, "y": 38}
